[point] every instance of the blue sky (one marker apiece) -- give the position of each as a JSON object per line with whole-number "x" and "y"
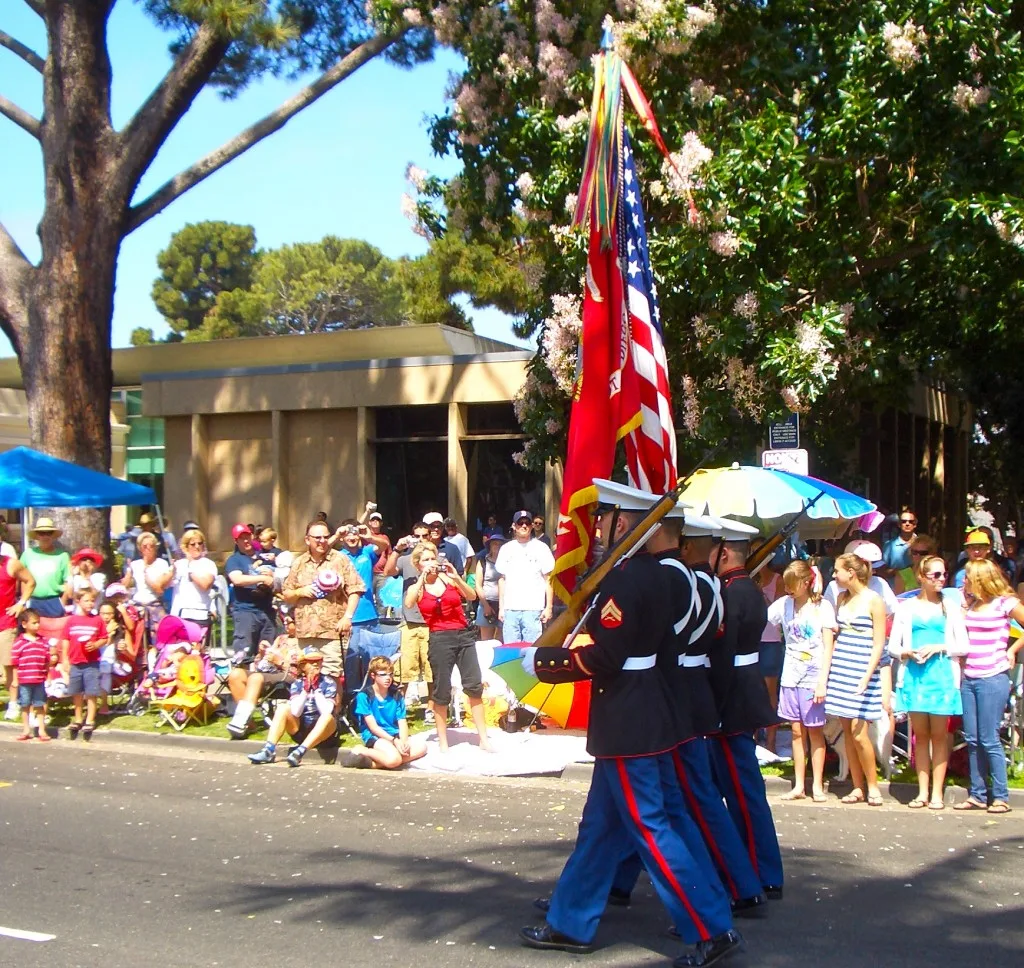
{"x": 336, "y": 168}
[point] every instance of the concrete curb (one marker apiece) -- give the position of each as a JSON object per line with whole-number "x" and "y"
{"x": 165, "y": 740}
{"x": 778, "y": 785}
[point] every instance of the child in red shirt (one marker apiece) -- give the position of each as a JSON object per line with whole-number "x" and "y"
{"x": 32, "y": 658}
{"x": 85, "y": 635}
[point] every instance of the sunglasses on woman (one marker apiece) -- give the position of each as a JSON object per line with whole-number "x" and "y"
{"x": 935, "y": 575}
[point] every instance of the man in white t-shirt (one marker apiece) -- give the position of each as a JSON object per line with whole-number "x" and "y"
{"x": 525, "y": 596}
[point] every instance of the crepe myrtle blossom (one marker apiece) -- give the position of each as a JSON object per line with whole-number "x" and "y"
{"x": 678, "y": 176}
{"x": 791, "y": 398}
{"x": 561, "y": 340}
{"x": 416, "y": 177}
{"x": 726, "y": 244}
{"x": 691, "y": 405}
{"x": 746, "y": 306}
{"x": 966, "y": 97}
{"x": 701, "y": 93}
{"x": 902, "y": 43}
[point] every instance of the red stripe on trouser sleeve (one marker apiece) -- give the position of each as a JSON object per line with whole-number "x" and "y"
{"x": 734, "y": 775}
{"x": 698, "y": 815}
{"x": 656, "y": 853}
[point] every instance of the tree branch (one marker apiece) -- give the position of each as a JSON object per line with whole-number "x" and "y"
{"x": 20, "y": 117}
{"x": 171, "y": 98}
{"x": 15, "y": 273}
{"x": 202, "y": 169}
{"x": 27, "y": 54}
{"x": 37, "y": 6}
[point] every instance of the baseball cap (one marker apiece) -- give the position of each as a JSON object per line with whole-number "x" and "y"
{"x": 494, "y": 534}
{"x": 238, "y": 530}
{"x": 977, "y": 538}
{"x": 433, "y": 517}
{"x": 190, "y": 525}
{"x": 522, "y": 515}
{"x": 865, "y": 550}
{"x": 377, "y": 515}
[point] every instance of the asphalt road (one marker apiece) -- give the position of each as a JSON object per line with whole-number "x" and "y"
{"x": 133, "y": 856}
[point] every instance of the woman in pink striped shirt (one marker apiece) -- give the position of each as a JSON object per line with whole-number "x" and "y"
{"x": 990, "y": 605}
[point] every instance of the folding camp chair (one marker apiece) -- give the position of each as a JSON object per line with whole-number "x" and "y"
{"x": 188, "y": 702}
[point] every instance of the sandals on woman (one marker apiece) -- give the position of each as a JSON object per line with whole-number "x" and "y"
{"x": 874, "y": 799}
{"x": 917, "y": 803}
{"x": 854, "y": 796}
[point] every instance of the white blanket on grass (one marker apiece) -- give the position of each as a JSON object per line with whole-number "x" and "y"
{"x": 515, "y": 754}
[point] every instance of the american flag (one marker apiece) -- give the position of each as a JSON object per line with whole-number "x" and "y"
{"x": 651, "y": 441}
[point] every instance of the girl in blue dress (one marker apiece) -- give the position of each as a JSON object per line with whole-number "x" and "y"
{"x": 929, "y": 635}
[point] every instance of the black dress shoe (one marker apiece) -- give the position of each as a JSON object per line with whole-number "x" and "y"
{"x": 615, "y": 898}
{"x": 708, "y": 952}
{"x": 547, "y": 937}
{"x": 774, "y": 892}
{"x": 750, "y": 907}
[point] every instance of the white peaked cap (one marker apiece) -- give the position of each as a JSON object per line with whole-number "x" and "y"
{"x": 702, "y": 526}
{"x": 735, "y": 530}
{"x": 628, "y": 498}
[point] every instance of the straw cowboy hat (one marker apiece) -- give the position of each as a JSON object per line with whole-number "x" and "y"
{"x": 45, "y": 526}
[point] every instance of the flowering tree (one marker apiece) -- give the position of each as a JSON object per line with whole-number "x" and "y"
{"x": 842, "y": 209}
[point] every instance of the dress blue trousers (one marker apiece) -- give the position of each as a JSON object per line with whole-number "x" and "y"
{"x": 626, "y": 812}
{"x": 706, "y": 810}
{"x": 739, "y": 780}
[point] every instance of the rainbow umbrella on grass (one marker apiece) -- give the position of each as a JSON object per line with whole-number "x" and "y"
{"x": 567, "y": 703}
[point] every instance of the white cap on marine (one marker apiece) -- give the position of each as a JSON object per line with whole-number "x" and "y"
{"x": 701, "y": 526}
{"x": 627, "y": 498}
{"x": 735, "y": 530}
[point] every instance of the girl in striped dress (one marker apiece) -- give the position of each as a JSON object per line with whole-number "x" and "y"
{"x": 985, "y": 686}
{"x": 850, "y": 673}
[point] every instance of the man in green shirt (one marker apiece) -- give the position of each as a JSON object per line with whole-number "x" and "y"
{"x": 50, "y": 567}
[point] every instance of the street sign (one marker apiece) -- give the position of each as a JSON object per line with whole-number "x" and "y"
{"x": 784, "y": 435}
{"x": 794, "y": 460}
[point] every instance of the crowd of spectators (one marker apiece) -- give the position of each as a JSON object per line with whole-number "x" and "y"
{"x": 899, "y": 632}
{"x": 862, "y": 632}
{"x": 307, "y": 626}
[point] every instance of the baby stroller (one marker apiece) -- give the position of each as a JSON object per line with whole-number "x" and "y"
{"x": 175, "y": 638}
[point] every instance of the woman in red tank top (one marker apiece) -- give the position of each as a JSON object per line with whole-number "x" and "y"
{"x": 440, "y": 593}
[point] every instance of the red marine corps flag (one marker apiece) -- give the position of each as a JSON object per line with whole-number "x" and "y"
{"x": 622, "y": 389}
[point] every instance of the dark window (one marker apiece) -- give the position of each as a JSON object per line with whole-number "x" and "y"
{"x": 399, "y": 422}
{"x": 491, "y": 418}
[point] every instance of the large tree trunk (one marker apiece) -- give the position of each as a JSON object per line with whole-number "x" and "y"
{"x": 65, "y": 355}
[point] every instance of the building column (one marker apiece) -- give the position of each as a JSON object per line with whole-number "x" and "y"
{"x": 279, "y": 478}
{"x": 366, "y": 459}
{"x": 200, "y": 467}
{"x": 458, "y": 474}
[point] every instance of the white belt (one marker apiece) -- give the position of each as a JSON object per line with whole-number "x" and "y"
{"x": 745, "y": 660}
{"x": 637, "y": 662}
{"x": 694, "y": 661}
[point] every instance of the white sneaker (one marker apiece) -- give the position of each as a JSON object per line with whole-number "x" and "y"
{"x": 13, "y": 712}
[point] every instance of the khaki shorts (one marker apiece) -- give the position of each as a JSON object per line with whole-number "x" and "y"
{"x": 414, "y": 664}
{"x": 331, "y": 649}
{"x": 7, "y": 637}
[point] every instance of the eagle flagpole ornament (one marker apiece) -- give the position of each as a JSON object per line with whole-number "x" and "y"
{"x": 621, "y": 390}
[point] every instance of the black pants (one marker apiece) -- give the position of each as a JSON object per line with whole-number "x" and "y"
{"x": 448, "y": 649}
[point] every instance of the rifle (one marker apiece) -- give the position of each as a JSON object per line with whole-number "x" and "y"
{"x": 759, "y": 558}
{"x": 571, "y": 620}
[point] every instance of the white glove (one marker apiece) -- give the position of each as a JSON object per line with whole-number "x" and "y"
{"x": 528, "y": 656}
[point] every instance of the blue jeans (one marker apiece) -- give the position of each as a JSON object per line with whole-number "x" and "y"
{"x": 521, "y": 626}
{"x": 984, "y": 703}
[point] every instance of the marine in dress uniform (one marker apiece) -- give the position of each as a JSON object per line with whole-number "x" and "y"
{"x": 631, "y": 625}
{"x": 744, "y": 707}
{"x": 699, "y": 611}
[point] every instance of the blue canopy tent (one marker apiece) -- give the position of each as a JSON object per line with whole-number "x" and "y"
{"x": 29, "y": 479}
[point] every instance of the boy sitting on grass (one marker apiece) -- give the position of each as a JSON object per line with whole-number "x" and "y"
{"x": 380, "y": 710}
